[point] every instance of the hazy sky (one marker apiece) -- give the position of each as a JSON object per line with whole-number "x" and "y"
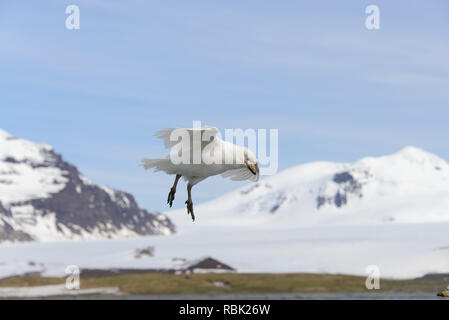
{"x": 335, "y": 90}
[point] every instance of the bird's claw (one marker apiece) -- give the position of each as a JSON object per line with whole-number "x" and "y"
{"x": 171, "y": 197}
{"x": 190, "y": 209}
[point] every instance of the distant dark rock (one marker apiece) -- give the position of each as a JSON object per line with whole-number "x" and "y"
{"x": 435, "y": 276}
{"x": 250, "y": 189}
{"x": 347, "y": 185}
{"x": 279, "y": 203}
{"x": 145, "y": 252}
{"x": 444, "y": 294}
{"x": 7, "y": 232}
{"x": 343, "y": 177}
{"x": 3, "y": 211}
{"x": 340, "y": 199}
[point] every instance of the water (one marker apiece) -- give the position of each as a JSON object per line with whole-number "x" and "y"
{"x": 269, "y": 296}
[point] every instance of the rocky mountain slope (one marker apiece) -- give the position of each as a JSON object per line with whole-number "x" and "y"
{"x": 44, "y": 198}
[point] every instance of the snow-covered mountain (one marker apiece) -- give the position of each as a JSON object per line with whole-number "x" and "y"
{"x": 43, "y": 197}
{"x": 391, "y": 211}
{"x": 409, "y": 186}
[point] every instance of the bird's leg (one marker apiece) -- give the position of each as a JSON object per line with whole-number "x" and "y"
{"x": 171, "y": 194}
{"x": 189, "y": 202}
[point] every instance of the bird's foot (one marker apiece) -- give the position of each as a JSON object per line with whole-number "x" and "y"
{"x": 190, "y": 209}
{"x": 171, "y": 197}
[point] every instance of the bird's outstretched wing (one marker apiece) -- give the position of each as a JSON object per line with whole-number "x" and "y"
{"x": 207, "y": 132}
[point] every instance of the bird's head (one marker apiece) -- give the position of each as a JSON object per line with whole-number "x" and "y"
{"x": 251, "y": 163}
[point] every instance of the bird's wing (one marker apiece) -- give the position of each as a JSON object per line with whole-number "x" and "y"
{"x": 239, "y": 174}
{"x": 207, "y": 132}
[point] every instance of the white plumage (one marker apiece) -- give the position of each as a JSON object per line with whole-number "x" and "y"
{"x": 204, "y": 155}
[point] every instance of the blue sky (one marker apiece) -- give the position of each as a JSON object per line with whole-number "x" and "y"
{"x": 335, "y": 90}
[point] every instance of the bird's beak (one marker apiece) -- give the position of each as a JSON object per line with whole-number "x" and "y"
{"x": 252, "y": 168}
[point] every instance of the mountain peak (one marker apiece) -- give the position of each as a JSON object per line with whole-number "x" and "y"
{"x": 43, "y": 197}
{"x": 413, "y": 151}
{"x": 418, "y": 156}
{"x": 17, "y": 150}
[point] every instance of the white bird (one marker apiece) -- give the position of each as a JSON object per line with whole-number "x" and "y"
{"x": 216, "y": 157}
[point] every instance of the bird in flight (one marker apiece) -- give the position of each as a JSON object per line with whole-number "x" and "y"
{"x": 198, "y": 153}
